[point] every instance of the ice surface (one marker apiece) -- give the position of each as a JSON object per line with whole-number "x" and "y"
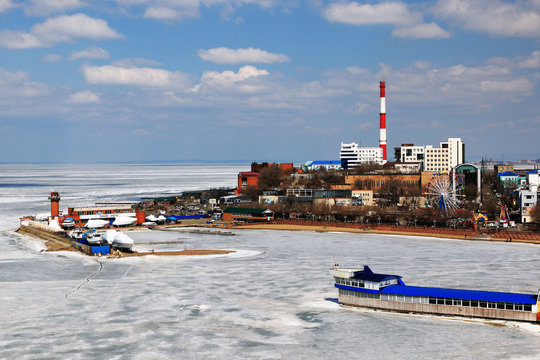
{"x": 273, "y": 298}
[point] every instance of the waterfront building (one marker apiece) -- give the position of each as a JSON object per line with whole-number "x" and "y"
{"x": 247, "y": 214}
{"x": 352, "y": 155}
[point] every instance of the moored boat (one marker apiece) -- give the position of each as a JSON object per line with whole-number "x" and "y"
{"x": 364, "y": 288}
{"x": 122, "y": 241}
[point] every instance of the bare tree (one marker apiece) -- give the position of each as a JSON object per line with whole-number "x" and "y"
{"x": 270, "y": 177}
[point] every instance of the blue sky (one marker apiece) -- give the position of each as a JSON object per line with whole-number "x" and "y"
{"x": 264, "y": 80}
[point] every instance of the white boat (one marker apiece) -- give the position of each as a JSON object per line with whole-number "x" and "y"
{"x": 161, "y": 218}
{"x": 68, "y": 223}
{"x": 148, "y": 223}
{"x": 76, "y": 234}
{"x": 96, "y": 223}
{"x": 122, "y": 241}
{"x": 152, "y": 218}
{"x": 124, "y": 220}
{"x": 93, "y": 237}
{"x": 109, "y": 236}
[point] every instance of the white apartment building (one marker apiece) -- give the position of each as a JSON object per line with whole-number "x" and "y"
{"x": 352, "y": 155}
{"x": 448, "y": 155}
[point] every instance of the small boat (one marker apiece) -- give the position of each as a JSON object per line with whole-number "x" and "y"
{"x": 68, "y": 223}
{"x": 77, "y": 234}
{"x": 363, "y": 288}
{"x": 122, "y": 241}
{"x": 93, "y": 237}
{"x": 109, "y": 235}
{"x": 96, "y": 223}
{"x": 124, "y": 220}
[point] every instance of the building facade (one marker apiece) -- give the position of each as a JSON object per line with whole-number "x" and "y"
{"x": 528, "y": 201}
{"x": 448, "y": 155}
{"x": 321, "y": 164}
{"x": 352, "y": 155}
{"x": 409, "y": 153}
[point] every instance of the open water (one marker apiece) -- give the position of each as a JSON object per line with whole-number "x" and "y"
{"x": 272, "y": 299}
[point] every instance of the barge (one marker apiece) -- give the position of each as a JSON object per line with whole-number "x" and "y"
{"x": 363, "y": 288}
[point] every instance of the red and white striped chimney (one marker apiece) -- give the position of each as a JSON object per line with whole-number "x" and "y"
{"x": 382, "y": 133}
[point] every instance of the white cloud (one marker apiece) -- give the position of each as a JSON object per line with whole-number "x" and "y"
{"x": 18, "y": 84}
{"x": 5, "y": 5}
{"x": 223, "y": 55}
{"x": 84, "y": 97}
{"x": 93, "y": 52}
{"x": 64, "y": 28}
{"x": 244, "y": 81}
{"x": 46, "y": 7}
{"x": 531, "y": 62}
{"x": 145, "y": 77}
{"x": 52, "y": 58}
{"x": 394, "y": 13}
{"x": 167, "y": 13}
{"x": 167, "y": 10}
{"x": 506, "y": 86}
{"x": 422, "y": 31}
{"x": 494, "y": 17}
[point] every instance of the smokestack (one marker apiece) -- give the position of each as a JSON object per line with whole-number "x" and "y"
{"x": 382, "y": 133}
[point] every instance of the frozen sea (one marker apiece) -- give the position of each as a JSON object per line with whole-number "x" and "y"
{"x": 271, "y": 299}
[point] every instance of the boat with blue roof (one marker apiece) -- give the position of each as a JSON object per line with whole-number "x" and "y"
{"x": 363, "y": 288}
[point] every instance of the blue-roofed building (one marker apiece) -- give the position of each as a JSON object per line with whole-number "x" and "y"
{"x": 508, "y": 178}
{"x": 315, "y": 165}
{"x": 362, "y": 287}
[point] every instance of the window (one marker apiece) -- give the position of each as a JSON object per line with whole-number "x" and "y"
{"x": 483, "y": 304}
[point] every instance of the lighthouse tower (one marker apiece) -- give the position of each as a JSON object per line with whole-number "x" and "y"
{"x": 55, "y": 204}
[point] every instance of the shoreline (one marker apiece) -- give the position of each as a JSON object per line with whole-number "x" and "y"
{"x": 448, "y": 233}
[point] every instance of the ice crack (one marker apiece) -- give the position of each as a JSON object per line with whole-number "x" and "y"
{"x": 87, "y": 280}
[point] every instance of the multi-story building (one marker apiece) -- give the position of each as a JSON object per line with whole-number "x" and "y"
{"x": 447, "y": 156}
{"x": 352, "y": 155}
{"x": 528, "y": 201}
{"x": 409, "y": 153}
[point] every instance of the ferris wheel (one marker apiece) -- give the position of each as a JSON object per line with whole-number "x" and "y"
{"x": 444, "y": 192}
